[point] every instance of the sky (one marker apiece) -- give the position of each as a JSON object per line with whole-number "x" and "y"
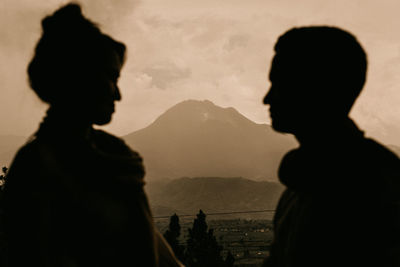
{"x": 218, "y": 50}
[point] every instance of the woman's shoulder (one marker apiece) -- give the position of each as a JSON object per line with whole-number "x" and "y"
{"x": 29, "y": 152}
{"x": 34, "y": 156}
{"x": 111, "y": 143}
{"x": 97, "y": 133}
{"x": 27, "y": 164}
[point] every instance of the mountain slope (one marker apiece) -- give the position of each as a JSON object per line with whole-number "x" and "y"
{"x": 200, "y": 139}
{"x": 213, "y": 194}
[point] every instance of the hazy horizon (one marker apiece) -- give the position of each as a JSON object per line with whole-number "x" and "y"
{"x": 215, "y": 50}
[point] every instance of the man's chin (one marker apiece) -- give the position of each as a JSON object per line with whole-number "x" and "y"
{"x": 281, "y": 128}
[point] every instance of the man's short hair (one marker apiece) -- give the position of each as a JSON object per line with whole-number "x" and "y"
{"x": 334, "y": 56}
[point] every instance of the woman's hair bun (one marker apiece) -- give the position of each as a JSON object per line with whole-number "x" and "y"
{"x": 71, "y": 49}
{"x": 67, "y": 19}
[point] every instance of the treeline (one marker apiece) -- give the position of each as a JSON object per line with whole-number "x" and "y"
{"x": 202, "y": 248}
{"x": 3, "y": 244}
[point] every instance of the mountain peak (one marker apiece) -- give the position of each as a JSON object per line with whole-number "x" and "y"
{"x": 196, "y": 102}
{"x": 198, "y": 112}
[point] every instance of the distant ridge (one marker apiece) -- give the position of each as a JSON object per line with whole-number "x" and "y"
{"x": 200, "y": 139}
{"x": 395, "y": 149}
{"x": 214, "y": 194}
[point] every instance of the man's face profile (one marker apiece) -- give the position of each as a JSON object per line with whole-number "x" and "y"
{"x": 286, "y": 94}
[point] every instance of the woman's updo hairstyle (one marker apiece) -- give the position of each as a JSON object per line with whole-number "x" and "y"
{"x": 69, "y": 55}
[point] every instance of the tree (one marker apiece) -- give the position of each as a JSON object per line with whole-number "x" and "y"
{"x": 230, "y": 260}
{"x": 3, "y": 177}
{"x": 202, "y": 247}
{"x": 172, "y": 237}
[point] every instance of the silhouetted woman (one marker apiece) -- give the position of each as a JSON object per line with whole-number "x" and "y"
{"x": 74, "y": 195}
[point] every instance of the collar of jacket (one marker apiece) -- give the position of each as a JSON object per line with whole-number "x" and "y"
{"x": 321, "y": 162}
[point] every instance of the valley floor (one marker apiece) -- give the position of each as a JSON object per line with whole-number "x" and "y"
{"x": 247, "y": 240}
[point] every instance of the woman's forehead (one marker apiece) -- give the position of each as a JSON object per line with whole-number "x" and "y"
{"x": 109, "y": 60}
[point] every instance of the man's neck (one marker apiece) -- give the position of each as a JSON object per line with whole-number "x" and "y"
{"x": 337, "y": 130}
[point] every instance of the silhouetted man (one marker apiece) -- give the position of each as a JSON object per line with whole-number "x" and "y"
{"x": 342, "y": 202}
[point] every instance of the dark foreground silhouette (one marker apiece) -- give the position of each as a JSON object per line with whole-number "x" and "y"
{"x": 342, "y": 202}
{"x": 74, "y": 195}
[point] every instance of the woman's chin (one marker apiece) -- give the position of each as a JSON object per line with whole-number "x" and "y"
{"x": 103, "y": 120}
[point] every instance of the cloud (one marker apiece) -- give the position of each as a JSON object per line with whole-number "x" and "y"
{"x": 235, "y": 41}
{"x": 109, "y": 13}
{"x": 164, "y": 75}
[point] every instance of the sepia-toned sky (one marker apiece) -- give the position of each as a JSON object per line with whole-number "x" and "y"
{"x": 211, "y": 49}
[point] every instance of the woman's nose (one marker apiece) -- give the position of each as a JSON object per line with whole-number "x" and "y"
{"x": 117, "y": 95}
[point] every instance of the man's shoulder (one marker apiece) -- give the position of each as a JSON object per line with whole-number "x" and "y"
{"x": 385, "y": 164}
{"x": 381, "y": 154}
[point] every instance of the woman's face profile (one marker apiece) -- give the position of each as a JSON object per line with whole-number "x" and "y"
{"x": 101, "y": 103}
